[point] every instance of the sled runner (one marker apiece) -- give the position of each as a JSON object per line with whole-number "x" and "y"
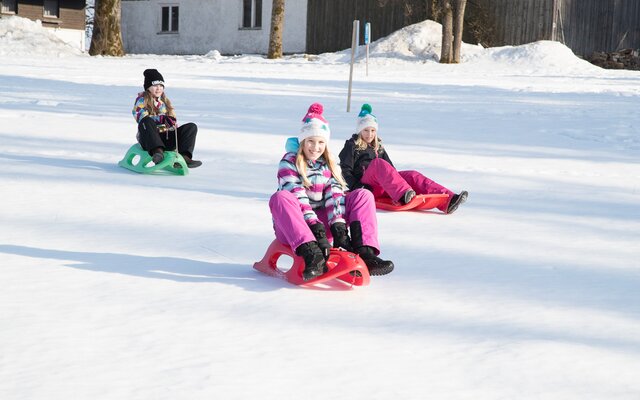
{"x": 139, "y": 160}
{"x": 420, "y": 202}
{"x": 343, "y": 265}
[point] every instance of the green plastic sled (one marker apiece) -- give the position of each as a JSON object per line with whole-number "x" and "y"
{"x": 139, "y": 160}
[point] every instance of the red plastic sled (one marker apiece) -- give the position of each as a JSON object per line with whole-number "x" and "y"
{"x": 420, "y": 202}
{"x": 343, "y": 265}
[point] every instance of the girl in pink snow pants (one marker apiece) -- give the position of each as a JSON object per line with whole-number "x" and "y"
{"x": 366, "y": 164}
{"x": 311, "y": 197}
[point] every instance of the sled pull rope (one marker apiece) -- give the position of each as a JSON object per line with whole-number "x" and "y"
{"x": 175, "y": 131}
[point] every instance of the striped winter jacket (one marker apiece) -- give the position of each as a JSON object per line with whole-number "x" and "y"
{"x": 325, "y": 192}
{"x": 139, "y": 112}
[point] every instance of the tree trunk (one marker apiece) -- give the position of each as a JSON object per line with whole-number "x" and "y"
{"x": 458, "y": 25}
{"x": 107, "y": 35}
{"x": 433, "y": 10}
{"x": 446, "y": 55}
{"x": 277, "y": 26}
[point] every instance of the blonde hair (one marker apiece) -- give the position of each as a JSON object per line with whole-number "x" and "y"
{"x": 150, "y": 104}
{"x": 362, "y": 145}
{"x": 301, "y": 165}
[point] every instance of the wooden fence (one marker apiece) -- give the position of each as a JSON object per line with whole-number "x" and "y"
{"x": 584, "y": 26}
{"x": 511, "y": 22}
{"x": 329, "y": 22}
{"x": 598, "y": 25}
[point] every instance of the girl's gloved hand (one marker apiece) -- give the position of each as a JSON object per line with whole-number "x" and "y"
{"x": 341, "y": 237}
{"x": 321, "y": 237}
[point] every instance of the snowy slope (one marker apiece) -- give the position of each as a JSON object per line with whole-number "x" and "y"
{"x": 115, "y": 285}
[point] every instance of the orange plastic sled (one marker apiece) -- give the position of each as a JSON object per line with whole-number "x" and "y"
{"x": 420, "y": 202}
{"x": 344, "y": 266}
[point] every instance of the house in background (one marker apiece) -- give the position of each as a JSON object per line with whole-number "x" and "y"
{"x": 65, "y": 17}
{"x": 198, "y": 27}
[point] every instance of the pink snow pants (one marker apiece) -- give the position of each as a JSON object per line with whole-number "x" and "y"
{"x": 386, "y": 181}
{"x": 292, "y": 230}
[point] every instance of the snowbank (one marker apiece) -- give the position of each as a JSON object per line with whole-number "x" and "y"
{"x": 422, "y": 42}
{"x": 23, "y": 37}
{"x": 543, "y": 54}
{"x": 417, "y": 42}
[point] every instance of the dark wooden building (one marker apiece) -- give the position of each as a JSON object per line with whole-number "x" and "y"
{"x": 584, "y": 26}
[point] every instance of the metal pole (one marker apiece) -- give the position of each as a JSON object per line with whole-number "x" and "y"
{"x": 354, "y": 45}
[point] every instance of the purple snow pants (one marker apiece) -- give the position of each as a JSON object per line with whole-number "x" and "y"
{"x": 292, "y": 230}
{"x": 386, "y": 181}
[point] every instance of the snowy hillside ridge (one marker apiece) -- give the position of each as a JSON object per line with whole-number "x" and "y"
{"x": 23, "y": 37}
{"x": 422, "y": 42}
{"x": 418, "y": 42}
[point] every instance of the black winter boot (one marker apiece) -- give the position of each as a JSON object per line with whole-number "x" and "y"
{"x": 375, "y": 264}
{"x": 314, "y": 263}
{"x": 190, "y": 162}
{"x": 408, "y": 196}
{"x": 158, "y": 155}
{"x": 456, "y": 200}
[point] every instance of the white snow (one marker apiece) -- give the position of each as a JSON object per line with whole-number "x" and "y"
{"x": 23, "y": 37}
{"x": 115, "y": 285}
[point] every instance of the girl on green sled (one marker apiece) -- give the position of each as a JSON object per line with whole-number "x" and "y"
{"x": 157, "y": 122}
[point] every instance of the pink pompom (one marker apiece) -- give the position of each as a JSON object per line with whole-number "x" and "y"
{"x": 315, "y": 108}
{"x": 315, "y": 111}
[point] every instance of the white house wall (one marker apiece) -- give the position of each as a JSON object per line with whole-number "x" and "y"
{"x": 206, "y": 25}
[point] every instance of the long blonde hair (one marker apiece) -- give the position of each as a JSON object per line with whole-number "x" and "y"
{"x": 150, "y": 104}
{"x": 301, "y": 164}
{"x": 362, "y": 145}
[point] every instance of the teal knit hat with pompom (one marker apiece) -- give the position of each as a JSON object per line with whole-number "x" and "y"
{"x": 366, "y": 119}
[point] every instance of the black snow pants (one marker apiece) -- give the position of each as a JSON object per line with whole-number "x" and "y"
{"x": 149, "y": 137}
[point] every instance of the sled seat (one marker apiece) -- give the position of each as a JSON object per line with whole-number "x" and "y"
{"x": 420, "y": 202}
{"x": 344, "y": 266}
{"x": 139, "y": 160}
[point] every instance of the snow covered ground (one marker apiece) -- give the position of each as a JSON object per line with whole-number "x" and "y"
{"x": 115, "y": 285}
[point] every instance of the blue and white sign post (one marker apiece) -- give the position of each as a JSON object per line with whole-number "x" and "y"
{"x": 367, "y": 40}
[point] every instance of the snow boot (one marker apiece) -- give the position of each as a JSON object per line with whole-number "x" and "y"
{"x": 408, "y": 196}
{"x": 314, "y": 263}
{"x": 158, "y": 156}
{"x": 375, "y": 264}
{"x": 456, "y": 200}
{"x": 191, "y": 163}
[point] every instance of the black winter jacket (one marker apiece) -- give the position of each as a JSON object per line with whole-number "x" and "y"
{"x": 354, "y": 162}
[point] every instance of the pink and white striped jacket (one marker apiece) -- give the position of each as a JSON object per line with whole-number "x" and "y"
{"x": 324, "y": 192}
